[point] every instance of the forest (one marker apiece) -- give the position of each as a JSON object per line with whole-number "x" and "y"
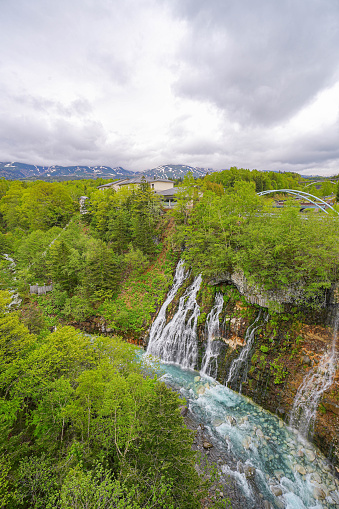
{"x": 83, "y": 422}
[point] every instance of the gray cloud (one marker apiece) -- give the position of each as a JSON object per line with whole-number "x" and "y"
{"x": 145, "y": 82}
{"x": 259, "y": 61}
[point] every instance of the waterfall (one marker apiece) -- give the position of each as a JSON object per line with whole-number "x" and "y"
{"x": 177, "y": 341}
{"x": 315, "y": 383}
{"x": 15, "y": 299}
{"x": 209, "y": 365}
{"x": 160, "y": 321}
{"x": 241, "y": 363}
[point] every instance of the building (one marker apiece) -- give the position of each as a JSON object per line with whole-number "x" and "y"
{"x": 168, "y": 198}
{"x": 157, "y": 185}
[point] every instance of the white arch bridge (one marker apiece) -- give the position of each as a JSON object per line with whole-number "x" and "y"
{"x": 317, "y": 202}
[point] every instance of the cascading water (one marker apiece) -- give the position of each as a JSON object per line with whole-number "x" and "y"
{"x": 288, "y": 471}
{"x": 160, "y": 321}
{"x": 315, "y": 383}
{"x": 15, "y": 299}
{"x": 238, "y": 371}
{"x": 177, "y": 341}
{"x": 209, "y": 365}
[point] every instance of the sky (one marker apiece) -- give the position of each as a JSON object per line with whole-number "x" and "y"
{"x": 141, "y": 83}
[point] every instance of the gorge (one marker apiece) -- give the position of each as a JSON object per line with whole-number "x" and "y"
{"x": 206, "y": 363}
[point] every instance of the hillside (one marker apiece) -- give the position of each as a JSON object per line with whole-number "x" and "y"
{"x": 18, "y": 171}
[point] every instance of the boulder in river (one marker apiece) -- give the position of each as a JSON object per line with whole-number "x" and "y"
{"x": 183, "y": 410}
{"x": 276, "y": 490}
{"x": 249, "y": 471}
{"x": 207, "y": 445}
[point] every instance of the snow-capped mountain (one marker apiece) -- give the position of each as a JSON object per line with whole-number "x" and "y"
{"x": 15, "y": 171}
{"x": 175, "y": 171}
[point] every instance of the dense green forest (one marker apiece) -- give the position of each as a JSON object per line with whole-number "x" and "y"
{"x": 82, "y": 422}
{"x": 117, "y": 260}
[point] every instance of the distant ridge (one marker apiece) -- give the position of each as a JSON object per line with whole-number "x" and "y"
{"x": 175, "y": 171}
{"x": 18, "y": 171}
{"x": 23, "y": 171}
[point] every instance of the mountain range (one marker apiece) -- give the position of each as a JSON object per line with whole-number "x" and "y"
{"x": 23, "y": 171}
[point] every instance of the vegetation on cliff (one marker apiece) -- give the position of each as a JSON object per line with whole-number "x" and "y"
{"x": 83, "y": 425}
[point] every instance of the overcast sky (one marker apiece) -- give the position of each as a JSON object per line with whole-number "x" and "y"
{"x": 139, "y": 83}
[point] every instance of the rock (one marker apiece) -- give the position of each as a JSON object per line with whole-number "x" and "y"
{"x": 201, "y": 390}
{"x": 306, "y": 360}
{"x": 249, "y": 472}
{"x": 318, "y": 493}
{"x": 217, "y": 422}
{"x": 207, "y": 445}
{"x": 246, "y": 442}
{"x": 259, "y": 433}
{"x": 197, "y": 378}
{"x": 232, "y": 421}
{"x": 267, "y": 505}
{"x": 316, "y": 478}
{"x": 309, "y": 454}
{"x": 183, "y": 411}
{"x": 276, "y": 490}
{"x": 332, "y": 407}
{"x": 300, "y": 469}
{"x": 335, "y": 496}
{"x": 280, "y": 411}
{"x": 279, "y": 474}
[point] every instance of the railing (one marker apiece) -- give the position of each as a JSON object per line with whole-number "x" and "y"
{"x": 40, "y": 290}
{"x": 303, "y": 195}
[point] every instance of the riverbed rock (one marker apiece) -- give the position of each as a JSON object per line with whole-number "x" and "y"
{"x": 246, "y": 442}
{"x": 318, "y": 493}
{"x": 201, "y": 390}
{"x": 183, "y": 411}
{"x": 207, "y": 445}
{"x": 232, "y": 420}
{"x": 309, "y": 454}
{"x": 249, "y": 471}
{"x": 197, "y": 378}
{"x": 259, "y": 433}
{"x": 276, "y": 490}
{"x": 300, "y": 469}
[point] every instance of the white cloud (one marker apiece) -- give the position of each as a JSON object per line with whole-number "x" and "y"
{"x": 146, "y": 82}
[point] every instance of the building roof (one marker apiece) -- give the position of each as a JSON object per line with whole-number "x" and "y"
{"x": 110, "y": 184}
{"x": 143, "y": 178}
{"x": 136, "y": 180}
{"x": 168, "y": 192}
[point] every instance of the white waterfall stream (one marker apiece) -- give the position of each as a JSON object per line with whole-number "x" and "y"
{"x": 15, "y": 299}
{"x": 209, "y": 365}
{"x": 160, "y": 321}
{"x": 177, "y": 341}
{"x": 315, "y": 383}
{"x": 238, "y": 371}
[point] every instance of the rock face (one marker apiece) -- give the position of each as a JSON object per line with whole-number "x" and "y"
{"x": 285, "y": 349}
{"x": 259, "y": 296}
